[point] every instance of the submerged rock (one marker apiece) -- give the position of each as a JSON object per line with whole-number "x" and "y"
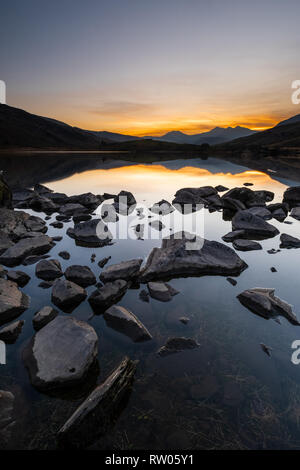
{"x": 81, "y": 275}
{"x": 24, "y": 248}
{"x": 61, "y": 353}
{"x": 264, "y": 303}
{"x": 246, "y": 245}
{"x": 10, "y": 333}
{"x": 48, "y": 270}
{"x": 67, "y": 294}
{"x": 174, "y": 345}
{"x": 91, "y": 233}
{"x": 161, "y": 291}
{"x": 108, "y": 295}
{"x": 266, "y": 349}
{"x": 287, "y": 241}
{"x": 43, "y": 317}
{"x": 144, "y": 295}
{"x": 99, "y": 410}
{"x": 13, "y": 302}
{"x": 253, "y": 225}
{"x": 173, "y": 259}
{"x": 124, "y": 321}
{"x": 125, "y": 270}
{"x": 231, "y": 281}
{"x": 19, "y": 277}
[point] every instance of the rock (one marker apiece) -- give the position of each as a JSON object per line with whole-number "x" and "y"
{"x": 12, "y": 301}
{"x": 231, "y": 281}
{"x": 246, "y": 245}
{"x": 174, "y": 345}
{"x": 5, "y": 242}
{"x": 184, "y": 320}
{"x": 17, "y": 224}
{"x": 99, "y": 410}
{"x": 272, "y": 251}
{"x": 124, "y": 321}
{"x": 231, "y": 236}
{"x": 88, "y": 200}
{"x": 81, "y": 218}
{"x": 22, "y": 195}
{"x": 162, "y": 207}
{"x": 66, "y": 294}
{"x": 33, "y": 259}
{"x": 46, "y": 284}
{"x": 62, "y": 218}
{"x": 221, "y": 189}
{"x": 57, "y": 224}
{"x": 91, "y": 233}
{"x": 264, "y": 303}
{"x": 296, "y": 213}
{"x": 291, "y": 196}
{"x": 64, "y": 255}
{"x": 5, "y": 193}
{"x": 157, "y": 225}
{"x": 287, "y": 241}
{"x": 18, "y": 277}
{"x": 124, "y": 202}
{"x": 41, "y": 189}
{"x": 253, "y": 225}
{"x": 61, "y": 353}
{"x": 43, "y": 204}
{"x": 3, "y": 272}
{"x": 233, "y": 205}
{"x": 48, "y": 270}
{"x": 279, "y": 215}
{"x": 173, "y": 259}
{"x": 273, "y": 270}
{"x": 261, "y": 212}
{"x": 248, "y": 184}
{"x": 107, "y": 295}
{"x": 7, "y": 418}
{"x": 248, "y": 197}
{"x": 193, "y": 196}
{"x": 144, "y": 295}
{"x": 71, "y": 209}
{"x": 81, "y": 275}
{"x": 10, "y": 333}
{"x": 58, "y": 198}
{"x": 160, "y": 291}
{"x": 43, "y": 317}
{"x": 109, "y": 213}
{"x": 103, "y": 262}
{"x": 26, "y": 247}
{"x": 125, "y": 270}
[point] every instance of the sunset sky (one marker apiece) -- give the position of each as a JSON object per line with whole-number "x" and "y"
{"x": 146, "y": 67}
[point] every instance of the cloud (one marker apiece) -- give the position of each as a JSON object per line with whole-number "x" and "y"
{"x": 122, "y": 109}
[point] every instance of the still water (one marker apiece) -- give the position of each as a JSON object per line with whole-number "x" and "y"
{"x": 227, "y": 394}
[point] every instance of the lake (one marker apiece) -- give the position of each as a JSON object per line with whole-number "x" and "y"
{"x": 227, "y": 394}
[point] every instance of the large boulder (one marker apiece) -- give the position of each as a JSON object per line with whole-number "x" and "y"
{"x": 91, "y": 233}
{"x": 248, "y": 197}
{"x": 99, "y": 410}
{"x": 48, "y": 269}
{"x": 291, "y": 196}
{"x": 88, "y": 200}
{"x": 287, "y": 241}
{"x": 5, "y": 193}
{"x": 43, "y": 204}
{"x": 253, "y": 226}
{"x": 194, "y": 196}
{"x": 107, "y": 295}
{"x": 124, "y": 202}
{"x": 12, "y": 301}
{"x": 126, "y": 270}
{"x": 19, "y": 224}
{"x": 67, "y": 295}
{"x": 174, "y": 259}
{"x": 24, "y": 248}
{"x": 61, "y": 353}
{"x": 263, "y": 302}
{"x": 124, "y": 321}
{"x": 81, "y": 275}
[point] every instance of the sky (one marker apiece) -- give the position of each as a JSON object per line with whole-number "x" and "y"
{"x": 147, "y": 67}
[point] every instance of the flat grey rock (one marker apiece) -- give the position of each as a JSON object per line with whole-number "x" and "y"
{"x": 173, "y": 259}
{"x": 253, "y": 225}
{"x": 43, "y": 317}
{"x": 263, "y": 302}
{"x": 67, "y": 295}
{"x": 81, "y": 275}
{"x": 125, "y": 270}
{"x": 48, "y": 269}
{"x": 231, "y": 236}
{"x": 10, "y": 333}
{"x": 107, "y": 295}
{"x": 13, "y": 302}
{"x": 124, "y": 321}
{"x": 161, "y": 291}
{"x": 246, "y": 245}
{"x": 24, "y": 248}
{"x": 91, "y": 233}
{"x": 287, "y": 241}
{"x": 174, "y": 345}
{"x": 98, "y": 411}
{"x": 61, "y": 353}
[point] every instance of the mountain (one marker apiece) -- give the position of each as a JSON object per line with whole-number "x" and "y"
{"x": 283, "y": 136}
{"x": 111, "y": 136}
{"x": 291, "y": 120}
{"x": 215, "y": 136}
{"x": 20, "y": 129}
